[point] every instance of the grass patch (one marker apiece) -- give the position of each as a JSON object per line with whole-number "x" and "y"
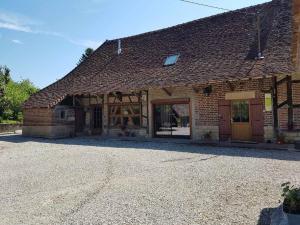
{"x": 10, "y": 122}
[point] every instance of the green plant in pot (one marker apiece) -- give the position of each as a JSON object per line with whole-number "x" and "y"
{"x": 207, "y": 136}
{"x": 291, "y": 203}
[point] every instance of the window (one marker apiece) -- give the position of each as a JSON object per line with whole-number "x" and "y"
{"x": 62, "y": 114}
{"x": 125, "y": 110}
{"x": 171, "y": 60}
{"x": 97, "y": 117}
{"x": 128, "y": 115}
{"x": 240, "y": 112}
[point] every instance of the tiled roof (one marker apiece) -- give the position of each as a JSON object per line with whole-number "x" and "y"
{"x": 216, "y": 48}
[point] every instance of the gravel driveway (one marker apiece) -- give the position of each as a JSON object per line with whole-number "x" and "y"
{"x": 93, "y": 181}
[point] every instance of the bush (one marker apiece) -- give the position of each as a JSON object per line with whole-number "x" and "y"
{"x": 291, "y": 196}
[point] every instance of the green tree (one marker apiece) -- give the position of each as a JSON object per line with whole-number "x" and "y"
{"x": 16, "y": 94}
{"x": 12, "y": 95}
{"x": 4, "y": 80}
{"x": 85, "y": 55}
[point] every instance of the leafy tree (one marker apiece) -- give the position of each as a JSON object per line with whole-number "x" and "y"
{"x": 4, "y": 80}
{"x": 12, "y": 95}
{"x": 16, "y": 94}
{"x": 85, "y": 55}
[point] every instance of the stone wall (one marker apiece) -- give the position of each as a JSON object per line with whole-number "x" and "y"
{"x": 5, "y": 128}
{"x": 49, "y": 122}
{"x": 53, "y": 131}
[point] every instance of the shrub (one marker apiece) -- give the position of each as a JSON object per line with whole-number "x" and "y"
{"x": 291, "y": 196}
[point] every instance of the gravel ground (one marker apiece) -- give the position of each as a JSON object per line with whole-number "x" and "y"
{"x": 93, "y": 181}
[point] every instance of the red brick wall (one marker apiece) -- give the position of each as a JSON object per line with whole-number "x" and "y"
{"x": 206, "y": 109}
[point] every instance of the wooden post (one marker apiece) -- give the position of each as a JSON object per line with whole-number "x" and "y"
{"x": 148, "y": 128}
{"x": 290, "y": 103}
{"x": 275, "y": 105}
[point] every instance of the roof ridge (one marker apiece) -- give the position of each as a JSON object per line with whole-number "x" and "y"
{"x": 193, "y": 21}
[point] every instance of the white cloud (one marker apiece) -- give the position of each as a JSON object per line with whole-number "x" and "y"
{"x": 16, "y": 41}
{"x": 87, "y": 43}
{"x": 16, "y": 27}
{"x": 20, "y": 23}
{"x": 16, "y": 22}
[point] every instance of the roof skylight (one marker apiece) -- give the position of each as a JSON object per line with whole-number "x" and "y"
{"x": 171, "y": 60}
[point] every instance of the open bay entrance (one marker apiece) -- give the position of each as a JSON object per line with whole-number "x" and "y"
{"x": 172, "y": 120}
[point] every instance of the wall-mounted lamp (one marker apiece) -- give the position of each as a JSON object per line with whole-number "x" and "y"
{"x": 207, "y": 91}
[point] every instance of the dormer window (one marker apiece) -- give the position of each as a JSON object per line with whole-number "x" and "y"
{"x": 171, "y": 60}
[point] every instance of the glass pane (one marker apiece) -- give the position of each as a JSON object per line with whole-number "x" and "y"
{"x": 240, "y": 112}
{"x": 172, "y": 120}
{"x": 180, "y": 120}
{"x": 244, "y": 110}
{"x": 171, "y": 60}
{"x": 235, "y": 112}
{"x": 162, "y": 123}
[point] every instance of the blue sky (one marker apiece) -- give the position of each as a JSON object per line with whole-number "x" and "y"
{"x": 43, "y": 40}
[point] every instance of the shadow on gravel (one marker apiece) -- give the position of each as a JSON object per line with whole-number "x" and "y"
{"x": 161, "y": 145}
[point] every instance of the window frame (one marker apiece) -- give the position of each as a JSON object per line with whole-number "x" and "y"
{"x": 64, "y": 113}
{"x": 125, "y": 103}
{"x": 239, "y": 111}
{"x": 173, "y": 62}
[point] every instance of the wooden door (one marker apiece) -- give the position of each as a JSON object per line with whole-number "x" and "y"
{"x": 224, "y": 120}
{"x": 96, "y": 123}
{"x": 79, "y": 120}
{"x": 257, "y": 119}
{"x": 240, "y": 120}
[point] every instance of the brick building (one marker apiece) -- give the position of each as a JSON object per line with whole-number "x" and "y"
{"x": 233, "y": 76}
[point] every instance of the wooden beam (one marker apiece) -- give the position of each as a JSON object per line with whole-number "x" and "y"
{"x": 282, "y": 104}
{"x": 275, "y": 105}
{"x": 296, "y": 81}
{"x": 74, "y": 101}
{"x": 282, "y": 81}
{"x": 296, "y": 106}
{"x": 266, "y": 91}
{"x": 290, "y": 102}
{"x": 167, "y": 91}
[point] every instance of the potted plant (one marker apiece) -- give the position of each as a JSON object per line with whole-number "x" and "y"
{"x": 207, "y": 136}
{"x": 291, "y": 203}
{"x": 281, "y": 139}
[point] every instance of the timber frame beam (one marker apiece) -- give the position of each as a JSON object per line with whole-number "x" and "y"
{"x": 167, "y": 91}
{"x": 289, "y": 101}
